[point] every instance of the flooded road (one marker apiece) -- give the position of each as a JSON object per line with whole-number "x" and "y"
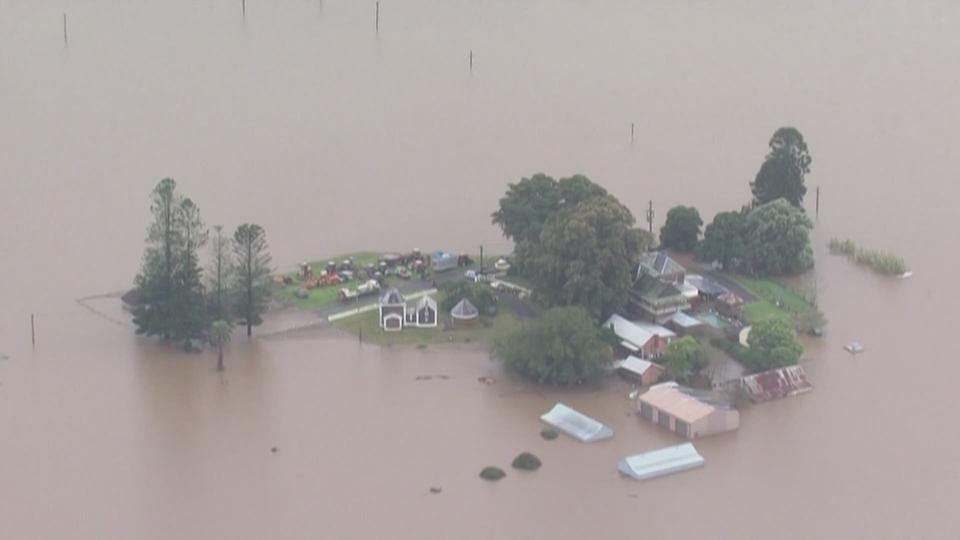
{"x": 334, "y": 137}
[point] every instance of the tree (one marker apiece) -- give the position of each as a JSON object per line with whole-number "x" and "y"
{"x": 586, "y": 256}
{"x": 773, "y": 344}
{"x": 682, "y": 228}
{"x": 252, "y": 275}
{"x": 777, "y": 239}
{"x": 153, "y": 313}
{"x": 189, "y": 310}
{"x": 783, "y": 170}
{"x": 481, "y": 295}
{"x": 563, "y": 347}
{"x": 723, "y": 239}
{"x": 530, "y": 202}
{"x": 221, "y": 275}
{"x": 683, "y": 358}
{"x": 220, "y": 334}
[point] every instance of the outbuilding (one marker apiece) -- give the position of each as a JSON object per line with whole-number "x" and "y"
{"x": 464, "y": 314}
{"x": 643, "y": 371}
{"x": 427, "y": 312}
{"x": 687, "y": 412}
{"x": 393, "y": 310}
{"x": 640, "y": 339}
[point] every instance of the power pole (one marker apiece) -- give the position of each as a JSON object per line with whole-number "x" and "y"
{"x": 481, "y": 259}
{"x": 818, "y": 201}
{"x": 64, "y": 28}
{"x": 650, "y": 217}
{"x": 377, "y": 23}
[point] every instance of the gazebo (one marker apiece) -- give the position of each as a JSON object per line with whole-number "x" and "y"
{"x": 464, "y": 314}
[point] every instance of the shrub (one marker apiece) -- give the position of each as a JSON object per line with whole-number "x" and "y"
{"x": 549, "y": 434}
{"x": 492, "y": 473}
{"x": 526, "y": 461}
{"x": 881, "y": 261}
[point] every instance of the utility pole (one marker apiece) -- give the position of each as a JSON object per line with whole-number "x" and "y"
{"x": 471, "y": 61}
{"x": 818, "y": 201}
{"x": 378, "y": 18}
{"x": 33, "y": 333}
{"x": 64, "y": 28}
{"x": 650, "y": 217}
{"x": 631, "y": 132}
{"x": 481, "y": 259}
{"x": 243, "y": 6}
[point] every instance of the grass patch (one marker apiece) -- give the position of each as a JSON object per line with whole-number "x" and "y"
{"x": 526, "y": 462}
{"x": 776, "y": 300}
{"x": 549, "y": 434}
{"x": 483, "y": 331}
{"x": 883, "y": 262}
{"x": 324, "y": 296}
{"x": 492, "y": 473}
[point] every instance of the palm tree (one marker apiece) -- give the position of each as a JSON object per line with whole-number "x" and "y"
{"x": 220, "y": 333}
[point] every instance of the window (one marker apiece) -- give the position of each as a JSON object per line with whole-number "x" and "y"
{"x": 683, "y": 428}
{"x": 663, "y": 419}
{"x": 646, "y": 411}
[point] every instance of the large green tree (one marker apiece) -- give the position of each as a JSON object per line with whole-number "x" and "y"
{"x": 682, "y": 228}
{"x": 773, "y": 344}
{"x": 784, "y": 169}
{"x": 777, "y": 239}
{"x": 564, "y": 347}
{"x": 220, "y": 276}
{"x": 683, "y": 358}
{"x": 586, "y": 256}
{"x": 527, "y": 205}
{"x": 190, "y": 314}
{"x": 723, "y": 239}
{"x": 252, "y": 263}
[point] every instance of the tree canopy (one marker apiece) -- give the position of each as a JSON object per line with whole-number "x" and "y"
{"x": 723, "y": 239}
{"x": 682, "y": 229}
{"x": 562, "y": 347}
{"x": 773, "y": 344}
{"x": 777, "y": 239}
{"x": 586, "y": 256}
{"x": 683, "y": 358}
{"x": 784, "y": 169}
{"x": 481, "y": 295}
{"x": 252, "y": 274}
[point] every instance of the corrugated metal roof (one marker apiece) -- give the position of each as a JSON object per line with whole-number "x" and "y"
{"x": 685, "y": 321}
{"x": 637, "y": 333}
{"x": 576, "y": 424}
{"x": 776, "y": 384}
{"x": 681, "y": 402}
{"x": 634, "y": 365}
{"x": 660, "y": 462}
{"x": 464, "y": 310}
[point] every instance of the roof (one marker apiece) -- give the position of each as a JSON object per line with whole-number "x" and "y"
{"x": 636, "y": 333}
{"x": 440, "y": 254}
{"x": 730, "y": 298}
{"x": 682, "y": 402}
{"x": 427, "y": 301}
{"x": 636, "y": 365}
{"x": 683, "y": 320}
{"x": 706, "y": 285}
{"x": 660, "y": 462}
{"x": 391, "y": 297}
{"x": 647, "y": 286}
{"x": 576, "y": 424}
{"x": 776, "y": 384}
{"x": 658, "y": 263}
{"x": 464, "y": 310}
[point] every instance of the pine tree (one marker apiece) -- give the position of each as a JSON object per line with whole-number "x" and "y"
{"x": 252, "y": 273}
{"x": 220, "y": 276}
{"x": 189, "y": 308}
{"x": 155, "y": 282}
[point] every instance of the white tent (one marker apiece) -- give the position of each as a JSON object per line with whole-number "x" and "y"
{"x": 660, "y": 462}
{"x": 577, "y": 425}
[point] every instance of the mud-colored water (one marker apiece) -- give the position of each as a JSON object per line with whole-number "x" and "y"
{"x": 302, "y": 118}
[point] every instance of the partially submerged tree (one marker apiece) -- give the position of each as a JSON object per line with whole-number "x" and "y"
{"x": 773, "y": 344}
{"x": 220, "y": 334}
{"x": 684, "y": 358}
{"x": 190, "y": 314}
{"x": 783, "y": 171}
{"x": 682, "y": 229}
{"x": 563, "y": 347}
{"x": 586, "y": 256}
{"x": 723, "y": 239}
{"x": 221, "y": 275}
{"x": 252, "y": 274}
{"x": 777, "y": 239}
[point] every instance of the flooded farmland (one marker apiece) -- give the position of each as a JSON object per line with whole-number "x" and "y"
{"x": 337, "y": 137}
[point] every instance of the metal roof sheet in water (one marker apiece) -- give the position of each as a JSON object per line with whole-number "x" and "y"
{"x": 660, "y": 462}
{"x": 577, "y": 425}
{"x": 776, "y": 384}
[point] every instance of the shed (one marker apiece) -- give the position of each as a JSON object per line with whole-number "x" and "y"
{"x": 427, "y": 312}
{"x": 776, "y": 383}
{"x": 687, "y": 412}
{"x": 660, "y": 462}
{"x": 639, "y": 338}
{"x": 644, "y": 371}
{"x": 464, "y": 313}
{"x": 576, "y": 424}
{"x": 393, "y": 310}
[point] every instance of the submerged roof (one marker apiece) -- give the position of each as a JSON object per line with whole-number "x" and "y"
{"x": 658, "y": 263}
{"x": 636, "y": 333}
{"x": 660, "y": 462}
{"x": 464, "y": 310}
{"x": 681, "y": 402}
{"x": 391, "y": 297}
{"x": 577, "y": 425}
{"x": 776, "y": 384}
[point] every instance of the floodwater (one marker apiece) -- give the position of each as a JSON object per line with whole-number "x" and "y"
{"x": 335, "y": 137}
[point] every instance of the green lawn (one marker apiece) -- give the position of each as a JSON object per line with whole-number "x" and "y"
{"x": 484, "y": 330}
{"x": 777, "y": 300}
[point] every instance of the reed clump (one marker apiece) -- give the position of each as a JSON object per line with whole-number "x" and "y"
{"x": 881, "y": 261}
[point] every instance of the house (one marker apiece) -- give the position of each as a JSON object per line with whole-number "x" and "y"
{"x": 639, "y": 339}
{"x": 426, "y": 312}
{"x": 659, "y": 289}
{"x": 643, "y": 371}
{"x": 776, "y": 384}
{"x": 393, "y": 310}
{"x": 660, "y": 266}
{"x": 687, "y": 412}
{"x": 441, "y": 260}
{"x": 464, "y": 314}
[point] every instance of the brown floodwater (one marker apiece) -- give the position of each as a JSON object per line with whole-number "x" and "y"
{"x": 335, "y": 138}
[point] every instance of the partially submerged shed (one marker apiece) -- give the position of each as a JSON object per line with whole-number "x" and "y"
{"x": 776, "y": 384}
{"x": 660, "y": 462}
{"x": 644, "y": 371}
{"x": 688, "y": 412}
{"x": 576, "y": 424}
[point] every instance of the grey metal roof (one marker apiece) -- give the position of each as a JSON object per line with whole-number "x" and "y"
{"x": 392, "y": 297}
{"x": 660, "y": 462}
{"x": 464, "y": 310}
{"x": 658, "y": 263}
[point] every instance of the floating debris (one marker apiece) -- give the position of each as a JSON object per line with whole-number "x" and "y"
{"x": 906, "y": 274}
{"x": 435, "y": 489}
{"x": 634, "y": 394}
{"x": 854, "y": 347}
{"x": 274, "y": 449}
{"x": 443, "y": 377}
{"x": 486, "y": 380}
{"x": 4, "y": 356}
{"x": 424, "y": 377}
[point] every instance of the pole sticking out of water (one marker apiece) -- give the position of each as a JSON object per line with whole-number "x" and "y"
{"x": 64, "y": 28}
{"x": 33, "y": 332}
{"x": 243, "y": 6}
{"x": 471, "y": 61}
{"x": 650, "y": 217}
{"x": 631, "y": 132}
{"x": 818, "y": 201}
{"x": 377, "y": 23}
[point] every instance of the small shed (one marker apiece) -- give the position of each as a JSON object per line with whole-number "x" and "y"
{"x": 393, "y": 310}
{"x": 441, "y": 260}
{"x": 644, "y": 371}
{"x": 464, "y": 314}
{"x": 427, "y": 312}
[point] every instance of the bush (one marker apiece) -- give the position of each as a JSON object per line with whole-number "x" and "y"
{"x": 549, "y": 434}
{"x": 881, "y": 261}
{"x": 492, "y": 473}
{"x": 481, "y": 295}
{"x": 526, "y": 462}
